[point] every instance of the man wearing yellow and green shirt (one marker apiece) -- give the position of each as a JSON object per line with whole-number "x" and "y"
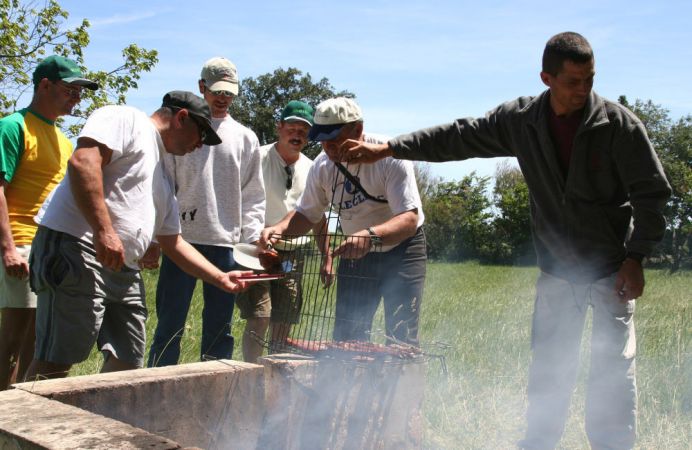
{"x": 33, "y": 159}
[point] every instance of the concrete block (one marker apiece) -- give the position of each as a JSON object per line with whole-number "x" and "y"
{"x": 29, "y": 421}
{"x": 203, "y": 405}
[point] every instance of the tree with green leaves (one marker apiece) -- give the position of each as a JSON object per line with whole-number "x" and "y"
{"x": 511, "y": 241}
{"x": 31, "y": 32}
{"x": 457, "y": 218}
{"x": 673, "y": 143}
{"x": 261, "y": 99}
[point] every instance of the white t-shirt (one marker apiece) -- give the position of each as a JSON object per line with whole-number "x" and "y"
{"x": 138, "y": 194}
{"x": 390, "y": 179}
{"x": 279, "y": 199}
{"x": 219, "y": 188}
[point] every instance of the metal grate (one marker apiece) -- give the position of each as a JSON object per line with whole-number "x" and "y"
{"x": 315, "y": 327}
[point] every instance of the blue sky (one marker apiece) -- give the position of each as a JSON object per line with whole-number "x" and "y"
{"x": 410, "y": 64}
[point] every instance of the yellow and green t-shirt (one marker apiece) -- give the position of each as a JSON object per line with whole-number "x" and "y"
{"x": 33, "y": 160}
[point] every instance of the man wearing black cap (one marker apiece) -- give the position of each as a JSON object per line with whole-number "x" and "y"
{"x": 96, "y": 226}
{"x": 221, "y": 196}
{"x": 33, "y": 159}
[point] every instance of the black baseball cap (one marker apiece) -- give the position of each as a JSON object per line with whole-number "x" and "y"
{"x": 195, "y": 106}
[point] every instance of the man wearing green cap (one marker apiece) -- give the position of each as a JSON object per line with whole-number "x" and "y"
{"x": 33, "y": 159}
{"x": 285, "y": 169}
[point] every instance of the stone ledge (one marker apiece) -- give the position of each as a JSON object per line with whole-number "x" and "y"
{"x": 31, "y": 421}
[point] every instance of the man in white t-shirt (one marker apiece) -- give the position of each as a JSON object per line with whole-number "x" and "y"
{"x": 96, "y": 226}
{"x": 383, "y": 253}
{"x": 285, "y": 170}
{"x": 221, "y": 196}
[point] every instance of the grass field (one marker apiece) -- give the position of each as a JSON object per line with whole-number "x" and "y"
{"x": 478, "y": 318}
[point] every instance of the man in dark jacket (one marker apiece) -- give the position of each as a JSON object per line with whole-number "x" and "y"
{"x": 597, "y": 196}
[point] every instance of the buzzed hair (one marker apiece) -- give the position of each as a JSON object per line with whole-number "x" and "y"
{"x": 565, "y": 46}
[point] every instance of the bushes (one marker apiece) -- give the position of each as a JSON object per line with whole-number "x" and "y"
{"x": 463, "y": 222}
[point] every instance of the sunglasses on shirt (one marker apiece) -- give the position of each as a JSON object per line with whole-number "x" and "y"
{"x": 289, "y": 177}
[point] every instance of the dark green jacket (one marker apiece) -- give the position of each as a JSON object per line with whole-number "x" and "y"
{"x": 610, "y": 202}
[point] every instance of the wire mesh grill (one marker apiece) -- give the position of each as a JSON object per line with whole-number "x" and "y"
{"x": 305, "y": 319}
{"x": 315, "y": 322}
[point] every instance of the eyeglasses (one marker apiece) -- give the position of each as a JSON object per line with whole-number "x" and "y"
{"x": 289, "y": 176}
{"x": 69, "y": 90}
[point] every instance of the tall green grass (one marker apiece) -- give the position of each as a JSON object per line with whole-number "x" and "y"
{"x": 479, "y": 317}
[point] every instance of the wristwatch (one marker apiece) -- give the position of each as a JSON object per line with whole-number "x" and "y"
{"x": 375, "y": 240}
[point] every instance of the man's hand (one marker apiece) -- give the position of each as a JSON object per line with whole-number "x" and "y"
{"x": 629, "y": 282}
{"x": 229, "y": 281}
{"x": 363, "y": 152}
{"x": 150, "y": 260}
{"x": 109, "y": 250}
{"x": 15, "y": 265}
{"x": 355, "y": 246}
{"x": 268, "y": 238}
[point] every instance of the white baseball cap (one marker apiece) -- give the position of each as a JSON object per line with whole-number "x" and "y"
{"x": 331, "y": 115}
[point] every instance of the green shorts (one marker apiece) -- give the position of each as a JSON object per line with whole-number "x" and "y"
{"x": 80, "y": 303}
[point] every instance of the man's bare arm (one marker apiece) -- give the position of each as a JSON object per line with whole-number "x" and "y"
{"x": 15, "y": 265}
{"x": 400, "y": 227}
{"x": 188, "y": 259}
{"x": 293, "y": 223}
{"x": 85, "y": 169}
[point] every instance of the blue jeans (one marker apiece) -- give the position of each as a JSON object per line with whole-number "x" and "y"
{"x": 173, "y": 297}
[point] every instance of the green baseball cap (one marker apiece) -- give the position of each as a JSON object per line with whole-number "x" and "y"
{"x": 60, "y": 68}
{"x": 297, "y": 110}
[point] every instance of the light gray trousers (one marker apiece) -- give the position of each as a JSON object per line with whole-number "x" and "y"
{"x": 611, "y": 395}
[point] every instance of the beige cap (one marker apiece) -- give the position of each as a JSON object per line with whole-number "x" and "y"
{"x": 338, "y": 110}
{"x": 331, "y": 115}
{"x": 220, "y": 74}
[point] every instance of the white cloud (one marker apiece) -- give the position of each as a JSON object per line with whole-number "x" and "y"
{"x": 120, "y": 19}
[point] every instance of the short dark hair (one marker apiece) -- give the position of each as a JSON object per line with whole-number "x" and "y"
{"x": 565, "y": 46}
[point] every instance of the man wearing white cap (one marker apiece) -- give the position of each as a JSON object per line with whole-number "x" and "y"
{"x": 220, "y": 191}
{"x": 379, "y": 209}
